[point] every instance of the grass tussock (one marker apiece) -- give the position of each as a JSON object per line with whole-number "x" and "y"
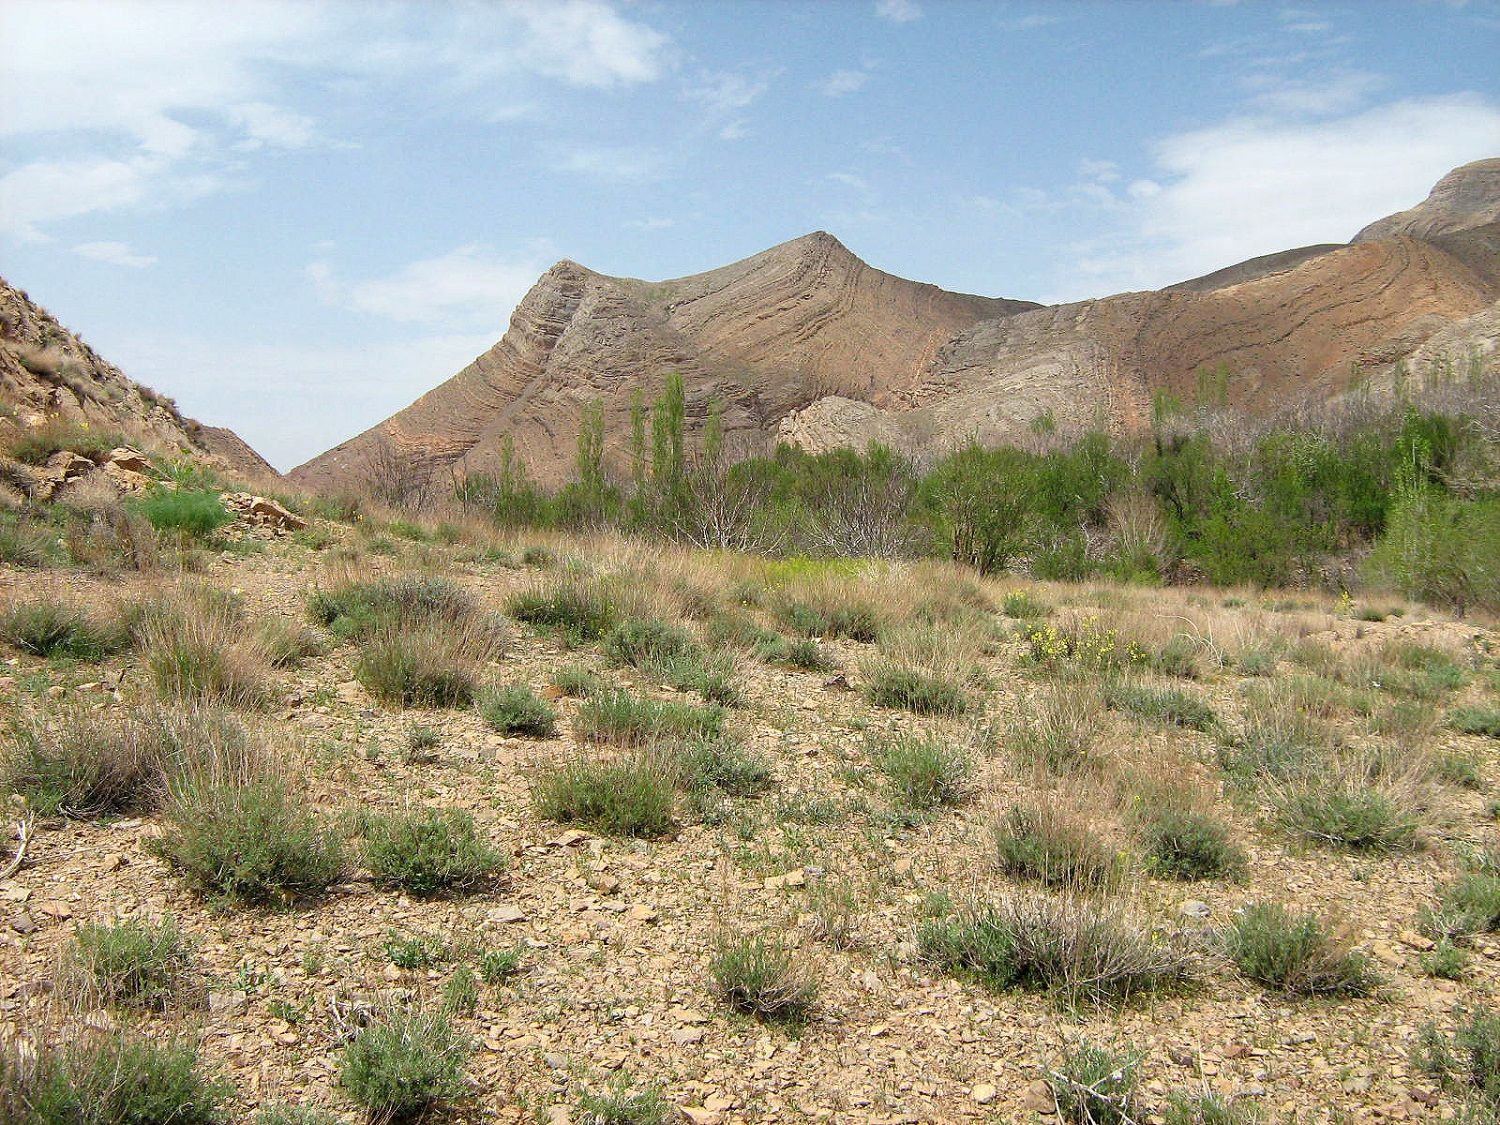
{"x": 632, "y": 794}
{"x": 925, "y": 772}
{"x": 197, "y": 649}
{"x": 1044, "y": 842}
{"x": 578, "y": 609}
{"x": 827, "y": 606}
{"x": 516, "y": 709}
{"x": 1295, "y": 953}
{"x": 427, "y": 853}
{"x": 904, "y": 688}
{"x": 1059, "y": 735}
{"x": 1381, "y": 814}
{"x": 623, "y": 719}
{"x": 1188, "y": 844}
{"x": 417, "y": 667}
{"x": 405, "y": 1065}
{"x": 763, "y": 976}
{"x": 1168, "y": 706}
{"x": 1278, "y": 740}
{"x": 1467, "y": 1061}
{"x": 132, "y": 964}
{"x": 355, "y": 609}
{"x": 50, "y": 627}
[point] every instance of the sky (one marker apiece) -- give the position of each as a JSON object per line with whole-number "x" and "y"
{"x": 296, "y": 217}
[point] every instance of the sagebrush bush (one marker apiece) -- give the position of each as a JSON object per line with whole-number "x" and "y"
{"x": 419, "y": 667}
{"x": 1186, "y": 844}
{"x": 1041, "y": 842}
{"x": 1353, "y": 815}
{"x": 133, "y": 964}
{"x": 249, "y": 844}
{"x": 435, "y": 851}
{"x": 576, "y": 681}
{"x": 516, "y": 709}
{"x": 1092, "y": 1085}
{"x": 110, "y": 1079}
{"x": 830, "y": 611}
{"x": 761, "y": 975}
{"x": 925, "y": 772}
{"x": 621, "y": 1102}
{"x": 1295, "y": 953}
{"x": 194, "y": 512}
{"x": 1483, "y": 721}
{"x": 358, "y": 609}
{"x": 922, "y": 692}
{"x": 1169, "y": 706}
{"x": 578, "y": 609}
{"x": 627, "y": 720}
{"x": 722, "y": 765}
{"x": 634, "y": 794}
{"x": 1468, "y": 905}
{"x": 1209, "y": 1109}
{"x": 1468, "y": 1061}
{"x": 1073, "y": 946}
{"x": 48, "y": 627}
{"x": 404, "y": 1065}
{"x": 648, "y": 644}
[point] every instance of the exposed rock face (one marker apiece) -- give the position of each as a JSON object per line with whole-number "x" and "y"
{"x": 806, "y": 343}
{"x": 46, "y": 371}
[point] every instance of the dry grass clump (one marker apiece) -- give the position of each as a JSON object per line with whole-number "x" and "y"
{"x": 1277, "y": 740}
{"x": 198, "y": 649}
{"x": 132, "y": 964}
{"x": 1168, "y": 706}
{"x": 1060, "y": 734}
{"x": 1056, "y": 846}
{"x": 1295, "y": 953}
{"x": 824, "y": 604}
{"x": 1354, "y": 812}
{"x": 516, "y": 709}
{"x": 352, "y": 608}
{"x": 422, "y": 666}
{"x": 52, "y": 627}
{"x": 578, "y": 608}
{"x": 761, "y": 975}
{"x": 631, "y": 794}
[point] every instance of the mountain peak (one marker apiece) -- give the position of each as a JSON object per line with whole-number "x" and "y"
{"x": 1467, "y": 197}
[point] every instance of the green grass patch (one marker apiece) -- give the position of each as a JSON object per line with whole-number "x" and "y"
{"x": 435, "y": 851}
{"x": 516, "y": 709}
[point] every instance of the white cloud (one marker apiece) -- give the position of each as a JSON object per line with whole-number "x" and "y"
{"x": 725, "y": 92}
{"x": 271, "y": 126}
{"x": 1254, "y": 185}
{"x": 1333, "y": 93}
{"x": 652, "y": 224}
{"x": 1030, "y": 22}
{"x": 586, "y": 43}
{"x": 46, "y": 190}
{"x": 842, "y": 83}
{"x": 628, "y": 163}
{"x": 898, "y": 11}
{"x": 114, "y": 253}
{"x": 468, "y": 289}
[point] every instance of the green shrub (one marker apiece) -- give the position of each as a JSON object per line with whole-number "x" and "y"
{"x": 37, "y": 443}
{"x": 430, "y": 852}
{"x": 761, "y": 975}
{"x": 421, "y": 742}
{"x": 1351, "y": 815}
{"x": 191, "y": 512}
{"x": 648, "y": 645}
{"x": 1483, "y": 721}
{"x": 1441, "y": 549}
{"x": 251, "y": 844}
{"x": 410, "y": 603}
{"x": 113, "y": 1079}
{"x": 1022, "y": 604}
{"x": 925, "y": 772}
{"x": 1295, "y": 953}
{"x": 621, "y": 718}
{"x": 416, "y": 950}
{"x": 1075, "y": 947}
{"x": 405, "y": 1065}
{"x": 496, "y": 966}
{"x": 1041, "y": 843}
{"x": 631, "y": 795}
{"x": 801, "y": 653}
{"x": 576, "y": 681}
{"x": 846, "y": 616}
{"x": 420, "y": 667}
{"x": 292, "y": 1115}
{"x": 621, "y": 1103}
{"x": 722, "y": 765}
{"x": 1188, "y": 845}
{"x": 133, "y": 964}
{"x": 516, "y": 709}
{"x": 1277, "y": 742}
{"x": 1208, "y": 1109}
{"x": 1445, "y": 960}
{"x": 1169, "y": 706}
{"x": 902, "y": 688}
{"x": 47, "y": 627}
{"x": 1468, "y": 905}
{"x": 1093, "y": 1085}
{"x": 1468, "y": 1061}
{"x": 579, "y": 610}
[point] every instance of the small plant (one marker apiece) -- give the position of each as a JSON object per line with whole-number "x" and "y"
{"x": 724, "y": 766}
{"x": 648, "y": 645}
{"x": 415, "y": 951}
{"x": 1278, "y": 741}
{"x": 1059, "y": 735}
{"x": 626, "y": 720}
{"x": 1445, "y": 960}
{"x": 287, "y": 644}
{"x": 1093, "y": 1085}
{"x": 762, "y": 976}
{"x": 538, "y": 556}
{"x": 292, "y": 1115}
{"x": 1188, "y": 845}
{"x": 47, "y": 627}
{"x": 1483, "y": 721}
{"x": 622, "y": 1103}
{"x": 422, "y": 742}
{"x": 1356, "y": 816}
{"x": 579, "y": 610}
{"x": 198, "y": 650}
{"x": 496, "y": 966}
{"x": 630, "y": 795}
{"x": 134, "y": 964}
{"x": 405, "y": 1065}
{"x": 416, "y": 668}
{"x": 1208, "y": 1109}
{"x": 925, "y": 773}
{"x": 516, "y": 709}
{"x": 430, "y": 852}
{"x": 192, "y": 512}
{"x": 835, "y": 613}
{"x": 576, "y": 681}
{"x": 1295, "y": 953}
{"x": 113, "y": 1079}
{"x": 1042, "y": 843}
{"x": 1168, "y": 706}
{"x": 1468, "y": 1061}
{"x": 461, "y": 992}
{"x": 835, "y": 914}
{"x": 1469, "y": 905}
{"x": 251, "y": 844}
{"x": 357, "y": 610}
{"x": 1023, "y": 604}
{"x": 903, "y": 688}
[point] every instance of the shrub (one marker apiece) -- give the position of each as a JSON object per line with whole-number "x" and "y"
{"x": 1278, "y": 741}
{"x": 1352, "y": 815}
{"x": 1295, "y": 953}
{"x": 133, "y": 964}
{"x": 579, "y": 610}
{"x": 1469, "y": 1060}
{"x": 925, "y": 773}
{"x": 286, "y": 644}
{"x": 763, "y": 976}
{"x": 903, "y": 688}
{"x": 1445, "y": 960}
{"x": 37, "y": 443}
{"x": 416, "y": 603}
{"x": 1476, "y": 720}
{"x": 1468, "y": 905}
{"x": 47, "y": 627}
{"x": 626, "y": 720}
{"x": 26, "y": 544}
{"x": 516, "y": 709}
{"x": 1179, "y": 657}
{"x": 1095, "y": 1086}
{"x": 1073, "y": 946}
{"x": 404, "y": 1065}
{"x": 631, "y": 795}
{"x": 1023, "y": 604}
{"x": 801, "y": 653}
{"x": 420, "y": 667}
{"x": 648, "y": 645}
{"x": 1042, "y": 843}
{"x": 576, "y": 681}
{"x": 496, "y": 966}
{"x": 1184, "y": 844}
{"x": 621, "y": 1104}
{"x": 1208, "y": 1109}
{"x": 193, "y": 512}
{"x": 292, "y": 1115}
{"x": 837, "y": 613}
{"x": 1058, "y": 733}
{"x": 723, "y": 765}
{"x": 252, "y": 844}
{"x": 114, "y": 1079}
{"x": 416, "y": 950}
{"x": 1440, "y": 548}
{"x": 429, "y": 852}
{"x": 198, "y": 650}
{"x": 1169, "y": 706}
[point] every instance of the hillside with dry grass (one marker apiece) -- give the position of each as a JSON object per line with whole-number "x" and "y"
{"x": 383, "y": 819}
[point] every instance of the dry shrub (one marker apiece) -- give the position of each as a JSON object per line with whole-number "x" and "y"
{"x": 198, "y": 649}
{"x": 1057, "y": 844}
{"x": 1059, "y": 733}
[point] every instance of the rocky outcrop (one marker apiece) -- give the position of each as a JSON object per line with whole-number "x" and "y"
{"x": 46, "y": 372}
{"x": 806, "y": 343}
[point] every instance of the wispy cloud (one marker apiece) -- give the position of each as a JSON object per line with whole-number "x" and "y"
{"x": 726, "y": 91}
{"x": 842, "y": 83}
{"x": 115, "y": 254}
{"x": 625, "y": 163}
{"x": 898, "y": 11}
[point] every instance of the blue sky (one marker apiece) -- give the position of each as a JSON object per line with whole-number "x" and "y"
{"x": 296, "y": 217}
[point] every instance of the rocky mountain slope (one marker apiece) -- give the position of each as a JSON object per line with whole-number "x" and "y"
{"x": 806, "y": 343}
{"x": 46, "y": 372}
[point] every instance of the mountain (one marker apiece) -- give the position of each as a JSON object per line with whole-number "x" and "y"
{"x": 48, "y": 372}
{"x": 806, "y": 343}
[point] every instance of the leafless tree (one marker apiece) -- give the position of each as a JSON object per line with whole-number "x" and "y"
{"x": 398, "y": 479}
